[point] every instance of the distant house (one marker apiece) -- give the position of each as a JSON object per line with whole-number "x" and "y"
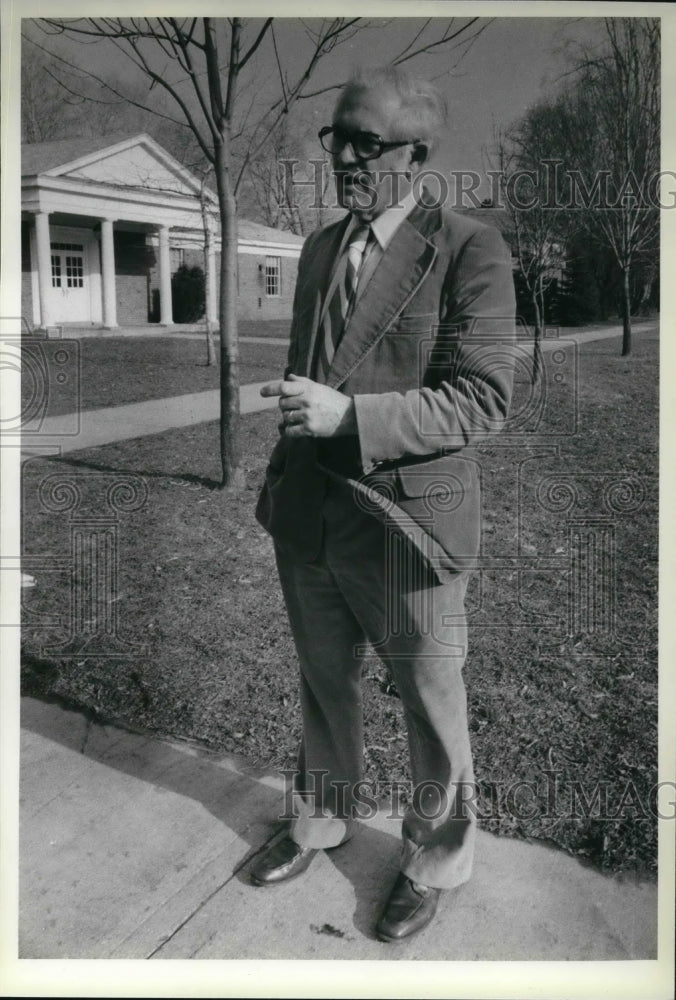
{"x": 107, "y": 221}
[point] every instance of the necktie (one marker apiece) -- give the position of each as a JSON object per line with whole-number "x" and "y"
{"x": 341, "y": 304}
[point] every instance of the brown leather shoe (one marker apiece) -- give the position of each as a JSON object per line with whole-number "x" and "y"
{"x": 410, "y": 907}
{"x": 281, "y": 862}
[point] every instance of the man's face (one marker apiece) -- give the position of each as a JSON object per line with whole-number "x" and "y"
{"x": 366, "y": 187}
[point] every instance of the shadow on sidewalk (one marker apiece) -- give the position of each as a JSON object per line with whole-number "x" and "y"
{"x": 246, "y": 800}
{"x": 136, "y": 848}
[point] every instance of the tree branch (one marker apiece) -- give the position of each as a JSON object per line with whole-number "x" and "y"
{"x": 444, "y": 40}
{"x": 233, "y": 68}
{"x": 124, "y": 98}
{"x": 190, "y": 70}
{"x": 261, "y": 35}
{"x": 213, "y": 74}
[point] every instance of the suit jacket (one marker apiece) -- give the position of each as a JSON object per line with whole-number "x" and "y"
{"x": 427, "y": 358}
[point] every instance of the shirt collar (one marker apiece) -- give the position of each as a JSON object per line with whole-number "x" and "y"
{"x": 385, "y": 225}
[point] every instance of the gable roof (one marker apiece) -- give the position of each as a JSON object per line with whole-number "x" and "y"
{"x": 490, "y": 216}
{"x": 38, "y": 157}
{"x": 135, "y": 161}
{"x": 255, "y": 232}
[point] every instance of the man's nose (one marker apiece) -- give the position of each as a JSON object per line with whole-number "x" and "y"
{"x": 344, "y": 156}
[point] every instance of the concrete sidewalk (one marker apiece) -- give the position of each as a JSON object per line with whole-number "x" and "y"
{"x": 93, "y": 428}
{"x": 132, "y": 847}
{"x": 153, "y": 331}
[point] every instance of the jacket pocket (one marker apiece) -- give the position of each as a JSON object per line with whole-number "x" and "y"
{"x": 423, "y": 479}
{"x": 430, "y": 497}
{"x": 439, "y": 496}
{"x": 432, "y": 483}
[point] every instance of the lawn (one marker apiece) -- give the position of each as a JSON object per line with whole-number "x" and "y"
{"x": 562, "y": 699}
{"x": 111, "y": 371}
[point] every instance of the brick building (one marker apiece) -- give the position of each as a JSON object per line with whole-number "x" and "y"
{"x": 105, "y": 224}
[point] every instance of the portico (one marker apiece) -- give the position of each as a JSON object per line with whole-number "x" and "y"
{"x": 79, "y": 210}
{"x": 106, "y": 223}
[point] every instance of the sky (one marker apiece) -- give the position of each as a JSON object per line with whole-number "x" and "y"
{"x": 509, "y": 67}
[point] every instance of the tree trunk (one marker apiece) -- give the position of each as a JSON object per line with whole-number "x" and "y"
{"x": 543, "y": 308}
{"x": 209, "y": 292}
{"x": 626, "y": 313}
{"x": 536, "y": 372}
{"x": 211, "y": 347}
{"x": 232, "y": 474}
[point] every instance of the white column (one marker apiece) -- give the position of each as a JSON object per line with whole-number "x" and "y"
{"x": 108, "y": 274}
{"x": 166, "y": 315}
{"x": 212, "y": 297}
{"x": 44, "y": 267}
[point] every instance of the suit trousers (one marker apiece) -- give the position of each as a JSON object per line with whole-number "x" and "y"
{"x": 369, "y": 586}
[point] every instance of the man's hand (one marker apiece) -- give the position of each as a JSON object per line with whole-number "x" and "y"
{"x": 310, "y": 409}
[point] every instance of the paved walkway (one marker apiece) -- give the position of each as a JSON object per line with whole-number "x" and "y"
{"x": 133, "y": 847}
{"x": 153, "y": 331}
{"x": 92, "y": 428}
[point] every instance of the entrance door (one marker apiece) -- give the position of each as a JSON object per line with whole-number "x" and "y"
{"x": 70, "y": 294}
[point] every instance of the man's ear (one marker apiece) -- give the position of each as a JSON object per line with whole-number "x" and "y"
{"x": 419, "y": 154}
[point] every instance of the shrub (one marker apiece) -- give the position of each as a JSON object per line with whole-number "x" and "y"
{"x": 188, "y": 294}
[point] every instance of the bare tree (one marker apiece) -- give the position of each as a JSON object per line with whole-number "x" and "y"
{"x": 610, "y": 138}
{"x": 208, "y": 68}
{"x": 535, "y": 225}
{"x": 208, "y": 225}
{"x": 284, "y": 186}
{"x": 42, "y": 110}
{"x": 49, "y": 113}
{"x": 76, "y": 108}
{"x": 273, "y": 201}
{"x": 271, "y": 190}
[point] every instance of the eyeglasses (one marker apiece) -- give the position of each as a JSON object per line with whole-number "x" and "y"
{"x": 365, "y": 145}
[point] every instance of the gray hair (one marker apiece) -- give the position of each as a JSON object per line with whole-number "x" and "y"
{"x": 423, "y": 107}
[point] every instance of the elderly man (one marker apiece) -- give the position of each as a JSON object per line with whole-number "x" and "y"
{"x": 399, "y": 362}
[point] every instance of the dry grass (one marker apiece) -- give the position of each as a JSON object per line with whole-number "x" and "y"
{"x": 112, "y": 371}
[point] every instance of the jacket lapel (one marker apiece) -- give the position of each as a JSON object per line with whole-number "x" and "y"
{"x": 316, "y": 282}
{"x": 397, "y": 276}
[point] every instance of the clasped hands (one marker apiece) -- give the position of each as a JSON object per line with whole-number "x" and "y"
{"x": 310, "y": 409}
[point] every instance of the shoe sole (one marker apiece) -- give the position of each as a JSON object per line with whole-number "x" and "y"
{"x": 267, "y": 885}
{"x": 386, "y": 939}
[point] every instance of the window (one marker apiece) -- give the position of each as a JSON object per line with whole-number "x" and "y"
{"x": 177, "y": 257}
{"x": 56, "y": 270}
{"x": 273, "y": 276}
{"x": 71, "y": 257}
{"x": 77, "y": 247}
{"x": 74, "y": 272}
